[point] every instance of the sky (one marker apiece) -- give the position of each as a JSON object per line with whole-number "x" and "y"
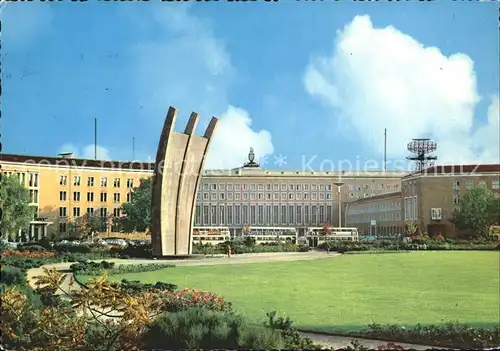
{"x": 310, "y": 86}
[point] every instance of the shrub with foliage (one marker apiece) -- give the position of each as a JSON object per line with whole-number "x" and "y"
{"x": 175, "y": 301}
{"x": 390, "y": 346}
{"x": 430, "y": 244}
{"x": 240, "y": 247}
{"x": 32, "y": 247}
{"x": 101, "y": 315}
{"x": 293, "y": 340}
{"x": 88, "y": 266}
{"x": 135, "y": 287}
{"x": 448, "y": 335}
{"x": 197, "y": 328}
{"x": 98, "y": 268}
{"x": 26, "y": 263}
{"x": 11, "y": 275}
{"x": 132, "y": 251}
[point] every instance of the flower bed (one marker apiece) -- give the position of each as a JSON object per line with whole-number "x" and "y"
{"x": 28, "y": 254}
{"x": 176, "y": 301}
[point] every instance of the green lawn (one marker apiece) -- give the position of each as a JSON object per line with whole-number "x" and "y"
{"x": 351, "y": 291}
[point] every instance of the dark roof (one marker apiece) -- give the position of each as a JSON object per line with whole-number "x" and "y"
{"x": 457, "y": 169}
{"x": 77, "y": 162}
{"x": 377, "y": 197}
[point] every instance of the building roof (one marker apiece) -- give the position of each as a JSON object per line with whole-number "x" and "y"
{"x": 238, "y": 172}
{"x": 76, "y": 162}
{"x": 377, "y": 197}
{"x": 457, "y": 169}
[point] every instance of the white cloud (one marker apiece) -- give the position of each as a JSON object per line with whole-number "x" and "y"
{"x": 195, "y": 75}
{"x": 233, "y": 138}
{"x": 87, "y": 151}
{"x": 380, "y": 78}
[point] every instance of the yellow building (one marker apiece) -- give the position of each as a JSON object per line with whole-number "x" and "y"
{"x": 65, "y": 188}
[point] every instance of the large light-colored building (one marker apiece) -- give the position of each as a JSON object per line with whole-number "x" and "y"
{"x": 64, "y": 188}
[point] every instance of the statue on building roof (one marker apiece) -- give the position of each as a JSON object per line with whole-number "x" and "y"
{"x": 251, "y": 159}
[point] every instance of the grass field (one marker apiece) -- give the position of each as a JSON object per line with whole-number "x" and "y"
{"x": 348, "y": 292}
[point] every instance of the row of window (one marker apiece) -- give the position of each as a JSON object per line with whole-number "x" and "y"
{"x": 469, "y": 184}
{"x": 103, "y": 212}
{"x": 291, "y": 187}
{"x": 217, "y": 215}
{"x": 381, "y": 217}
{"x": 383, "y": 230}
{"x": 32, "y": 178}
{"x": 63, "y": 180}
{"x": 384, "y": 206}
{"x": 268, "y": 187}
{"x": 266, "y": 196}
{"x": 374, "y": 186}
{"x": 63, "y": 196}
{"x": 63, "y": 226}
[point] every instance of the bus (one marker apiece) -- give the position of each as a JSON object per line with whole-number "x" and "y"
{"x": 316, "y": 237}
{"x": 210, "y": 235}
{"x": 271, "y": 234}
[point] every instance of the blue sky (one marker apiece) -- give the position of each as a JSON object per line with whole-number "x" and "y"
{"x": 316, "y": 83}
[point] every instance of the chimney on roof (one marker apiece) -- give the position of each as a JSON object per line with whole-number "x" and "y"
{"x": 66, "y": 155}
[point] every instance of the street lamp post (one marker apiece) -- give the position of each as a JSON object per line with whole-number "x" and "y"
{"x": 339, "y": 185}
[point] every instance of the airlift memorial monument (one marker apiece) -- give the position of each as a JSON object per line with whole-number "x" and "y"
{"x": 179, "y": 164}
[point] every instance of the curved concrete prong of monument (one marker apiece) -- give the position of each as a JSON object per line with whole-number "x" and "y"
{"x": 191, "y": 124}
{"x": 174, "y": 189}
{"x": 157, "y": 186}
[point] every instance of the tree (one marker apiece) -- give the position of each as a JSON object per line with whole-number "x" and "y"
{"x": 479, "y": 209}
{"x": 87, "y": 225}
{"x": 411, "y": 228}
{"x": 102, "y": 315}
{"x": 14, "y": 202}
{"x": 137, "y": 213}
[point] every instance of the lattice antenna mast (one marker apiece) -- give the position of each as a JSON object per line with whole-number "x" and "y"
{"x": 422, "y": 150}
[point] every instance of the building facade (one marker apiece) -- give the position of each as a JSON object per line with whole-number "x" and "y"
{"x": 430, "y": 197}
{"x": 427, "y": 199}
{"x": 380, "y": 215}
{"x": 65, "y": 188}
{"x": 252, "y": 196}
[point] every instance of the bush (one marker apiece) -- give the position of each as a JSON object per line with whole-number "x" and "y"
{"x": 449, "y": 335}
{"x": 240, "y": 247}
{"x": 97, "y": 268}
{"x": 13, "y": 275}
{"x": 64, "y": 248}
{"x": 187, "y": 298}
{"x": 291, "y": 336}
{"x": 197, "y": 328}
{"x": 91, "y": 268}
{"x": 31, "y": 247}
{"x": 135, "y": 287}
{"x": 131, "y": 251}
{"x": 26, "y": 263}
